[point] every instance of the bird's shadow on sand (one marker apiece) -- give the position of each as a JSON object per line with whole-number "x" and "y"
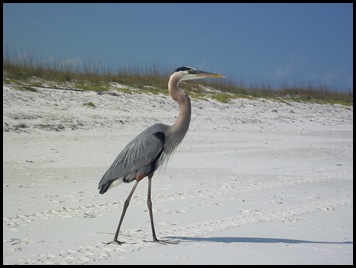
{"x": 220, "y": 239}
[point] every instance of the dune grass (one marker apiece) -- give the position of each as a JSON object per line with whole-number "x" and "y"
{"x": 32, "y": 73}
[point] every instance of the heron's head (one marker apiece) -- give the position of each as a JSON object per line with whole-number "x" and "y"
{"x": 190, "y": 73}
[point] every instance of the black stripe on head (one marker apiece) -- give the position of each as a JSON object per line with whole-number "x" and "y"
{"x": 185, "y": 68}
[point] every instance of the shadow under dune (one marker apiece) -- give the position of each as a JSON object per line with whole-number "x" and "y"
{"x": 253, "y": 240}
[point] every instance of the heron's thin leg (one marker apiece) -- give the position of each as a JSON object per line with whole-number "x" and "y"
{"x": 149, "y": 204}
{"x": 126, "y": 205}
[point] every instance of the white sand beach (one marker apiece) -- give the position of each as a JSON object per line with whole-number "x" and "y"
{"x": 253, "y": 182}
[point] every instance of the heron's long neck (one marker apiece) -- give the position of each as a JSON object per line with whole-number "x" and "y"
{"x": 180, "y": 127}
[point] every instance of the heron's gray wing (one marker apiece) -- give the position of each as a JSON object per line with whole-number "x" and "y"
{"x": 138, "y": 154}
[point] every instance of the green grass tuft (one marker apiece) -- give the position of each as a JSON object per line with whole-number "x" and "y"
{"x": 24, "y": 87}
{"x": 223, "y": 97}
{"x": 89, "y": 104}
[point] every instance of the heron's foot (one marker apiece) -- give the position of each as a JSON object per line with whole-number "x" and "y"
{"x": 163, "y": 242}
{"x": 114, "y": 242}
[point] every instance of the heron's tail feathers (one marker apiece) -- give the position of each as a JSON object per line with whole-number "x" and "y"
{"x": 106, "y": 185}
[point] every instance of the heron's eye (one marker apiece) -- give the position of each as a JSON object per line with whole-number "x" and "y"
{"x": 192, "y": 71}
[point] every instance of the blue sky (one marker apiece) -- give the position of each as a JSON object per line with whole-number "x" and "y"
{"x": 253, "y": 43}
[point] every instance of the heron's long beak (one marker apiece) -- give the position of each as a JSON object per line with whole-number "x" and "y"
{"x": 202, "y": 74}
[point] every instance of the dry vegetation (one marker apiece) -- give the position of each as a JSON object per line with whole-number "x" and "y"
{"x": 30, "y": 72}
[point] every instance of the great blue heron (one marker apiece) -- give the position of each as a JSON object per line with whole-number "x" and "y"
{"x": 145, "y": 153}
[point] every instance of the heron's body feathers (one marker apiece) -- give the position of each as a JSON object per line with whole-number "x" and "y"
{"x": 141, "y": 157}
